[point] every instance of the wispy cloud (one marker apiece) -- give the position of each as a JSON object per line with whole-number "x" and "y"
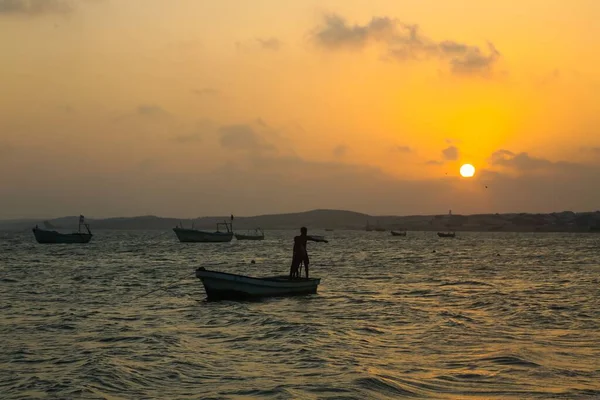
{"x": 35, "y": 7}
{"x": 595, "y": 150}
{"x": 207, "y": 91}
{"x": 521, "y": 161}
{"x": 402, "y": 149}
{"x": 434, "y": 162}
{"x": 150, "y": 110}
{"x": 261, "y": 122}
{"x": 524, "y": 163}
{"x": 242, "y": 137}
{"x": 340, "y": 151}
{"x": 271, "y": 43}
{"x": 404, "y": 42}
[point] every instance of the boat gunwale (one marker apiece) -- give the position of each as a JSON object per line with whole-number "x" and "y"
{"x": 279, "y": 278}
{"x": 243, "y": 236}
{"x": 72, "y": 234}
{"x": 217, "y": 233}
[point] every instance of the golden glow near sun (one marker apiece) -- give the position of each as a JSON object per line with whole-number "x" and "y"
{"x": 467, "y": 170}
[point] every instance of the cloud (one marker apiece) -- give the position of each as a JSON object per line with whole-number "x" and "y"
{"x": 434, "y": 162}
{"x": 450, "y": 153}
{"x": 556, "y": 172}
{"x": 593, "y": 151}
{"x": 270, "y": 43}
{"x": 404, "y": 42}
{"x": 270, "y": 182}
{"x": 337, "y": 34}
{"x": 473, "y": 60}
{"x": 402, "y": 149}
{"x": 34, "y": 7}
{"x": 242, "y": 137}
{"x": 206, "y": 92}
{"x": 294, "y": 180}
{"x": 149, "y": 114}
{"x": 261, "y": 122}
{"x": 204, "y": 128}
{"x": 520, "y": 162}
{"x": 151, "y": 110}
{"x": 340, "y": 151}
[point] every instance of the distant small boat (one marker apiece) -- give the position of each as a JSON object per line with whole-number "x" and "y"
{"x": 394, "y": 233}
{"x": 257, "y": 234}
{"x": 318, "y": 238}
{"x": 328, "y": 230}
{"x": 53, "y": 237}
{"x": 446, "y": 234}
{"x": 226, "y": 286}
{"x": 196, "y": 236}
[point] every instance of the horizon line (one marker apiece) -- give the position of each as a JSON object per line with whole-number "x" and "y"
{"x": 291, "y": 213}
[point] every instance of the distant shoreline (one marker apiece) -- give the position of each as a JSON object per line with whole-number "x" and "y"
{"x": 566, "y": 221}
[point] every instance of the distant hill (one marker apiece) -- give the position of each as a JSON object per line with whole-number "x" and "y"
{"x": 566, "y": 221}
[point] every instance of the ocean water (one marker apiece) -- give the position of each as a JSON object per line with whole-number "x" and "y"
{"x": 485, "y": 315}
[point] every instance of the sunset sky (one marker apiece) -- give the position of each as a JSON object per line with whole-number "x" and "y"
{"x": 189, "y": 108}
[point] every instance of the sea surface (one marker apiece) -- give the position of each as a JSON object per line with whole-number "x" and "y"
{"x": 484, "y": 315}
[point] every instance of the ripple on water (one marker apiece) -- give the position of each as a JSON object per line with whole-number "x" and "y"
{"x": 487, "y": 316}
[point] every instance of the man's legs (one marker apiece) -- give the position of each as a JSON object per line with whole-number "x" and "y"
{"x": 295, "y": 268}
{"x": 306, "y": 265}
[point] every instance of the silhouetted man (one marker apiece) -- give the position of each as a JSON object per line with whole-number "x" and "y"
{"x": 300, "y": 255}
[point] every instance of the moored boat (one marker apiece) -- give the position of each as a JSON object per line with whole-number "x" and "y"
{"x": 196, "y": 236}
{"x": 446, "y": 234}
{"x": 394, "y": 233}
{"x": 226, "y": 286}
{"x": 45, "y": 236}
{"x": 256, "y": 234}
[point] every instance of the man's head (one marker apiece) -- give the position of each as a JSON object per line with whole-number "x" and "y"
{"x": 303, "y": 230}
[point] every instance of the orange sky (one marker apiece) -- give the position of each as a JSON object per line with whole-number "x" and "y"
{"x": 190, "y": 108}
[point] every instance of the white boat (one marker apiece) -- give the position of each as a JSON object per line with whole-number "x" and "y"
{"x": 257, "y": 234}
{"x": 52, "y": 236}
{"x": 226, "y": 286}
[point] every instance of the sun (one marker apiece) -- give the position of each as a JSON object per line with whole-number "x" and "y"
{"x": 467, "y": 170}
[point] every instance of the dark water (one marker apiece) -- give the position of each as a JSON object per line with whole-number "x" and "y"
{"x": 485, "y": 316}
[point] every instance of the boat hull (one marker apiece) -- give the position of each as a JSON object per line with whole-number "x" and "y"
{"x": 394, "y": 233}
{"x": 225, "y": 286}
{"x": 195, "y": 236}
{"x": 52, "y": 237}
{"x": 446, "y": 235}
{"x": 248, "y": 237}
